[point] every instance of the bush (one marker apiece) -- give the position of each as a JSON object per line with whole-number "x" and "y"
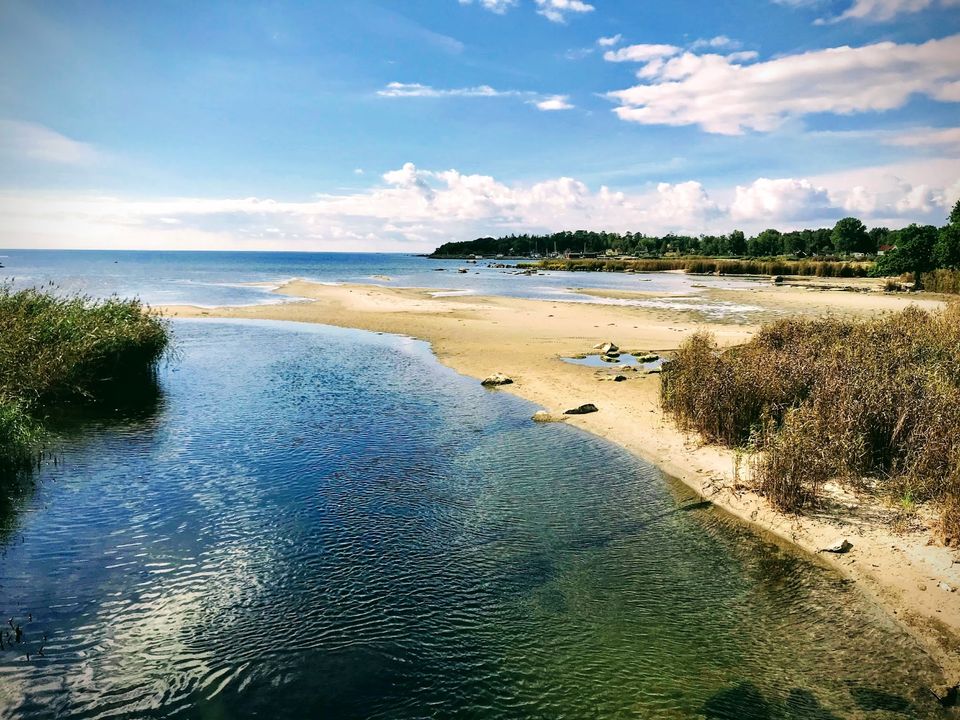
{"x": 832, "y": 400}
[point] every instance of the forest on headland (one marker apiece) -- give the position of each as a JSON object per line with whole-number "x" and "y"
{"x": 928, "y": 252}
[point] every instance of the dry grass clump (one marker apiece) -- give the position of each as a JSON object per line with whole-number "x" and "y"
{"x": 833, "y": 400}
{"x": 55, "y": 348}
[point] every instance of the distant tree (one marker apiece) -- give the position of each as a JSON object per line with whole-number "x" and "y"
{"x": 738, "y": 243}
{"x": 947, "y": 251}
{"x": 849, "y": 235}
{"x": 954, "y": 218}
{"x": 766, "y": 243}
{"x": 915, "y": 253}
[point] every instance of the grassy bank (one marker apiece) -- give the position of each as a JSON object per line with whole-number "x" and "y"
{"x": 708, "y": 266}
{"x": 59, "y": 349}
{"x": 873, "y": 404}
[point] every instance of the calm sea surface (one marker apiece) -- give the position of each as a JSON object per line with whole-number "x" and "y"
{"x": 245, "y": 278}
{"x": 309, "y": 522}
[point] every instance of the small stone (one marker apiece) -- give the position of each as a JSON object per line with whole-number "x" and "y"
{"x": 921, "y": 587}
{"x": 944, "y": 586}
{"x": 582, "y": 410}
{"x": 838, "y": 546}
{"x": 619, "y": 378}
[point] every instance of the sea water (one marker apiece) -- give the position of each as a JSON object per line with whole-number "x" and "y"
{"x": 309, "y": 522}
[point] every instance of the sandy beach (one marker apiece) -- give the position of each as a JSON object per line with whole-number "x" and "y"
{"x": 914, "y": 579}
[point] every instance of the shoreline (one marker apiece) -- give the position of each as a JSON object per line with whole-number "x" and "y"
{"x": 526, "y": 339}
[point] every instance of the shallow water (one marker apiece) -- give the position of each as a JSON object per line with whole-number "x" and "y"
{"x": 316, "y": 522}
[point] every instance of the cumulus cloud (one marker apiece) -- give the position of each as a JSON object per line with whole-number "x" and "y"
{"x": 415, "y": 209}
{"x": 34, "y": 142}
{"x": 885, "y": 10}
{"x": 782, "y": 199}
{"x": 555, "y": 102}
{"x": 729, "y": 94}
{"x": 610, "y": 41}
{"x": 557, "y": 10}
{"x": 496, "y": 6}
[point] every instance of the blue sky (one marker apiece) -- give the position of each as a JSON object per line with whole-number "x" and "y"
{"x": 388, "y": 125}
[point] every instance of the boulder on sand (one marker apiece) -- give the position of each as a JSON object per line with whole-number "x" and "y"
{"x": 497, "y": 379}
{"x": 838, "y": 546}
{"x": 582, "y": 410}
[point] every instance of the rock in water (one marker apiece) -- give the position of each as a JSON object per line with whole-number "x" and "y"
{"x": 497, "y": 379}
{"x": 542, "y": 416}
{"x": 582, "y": 410}
{"x": 609, "y": 358}
{"x": 838, "y": 546}
{"x": 646, "y": 357}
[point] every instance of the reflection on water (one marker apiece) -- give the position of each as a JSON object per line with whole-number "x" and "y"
{"x": 316, "y": 522}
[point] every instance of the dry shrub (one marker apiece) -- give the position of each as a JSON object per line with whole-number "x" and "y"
{"x": 830, "y": 399}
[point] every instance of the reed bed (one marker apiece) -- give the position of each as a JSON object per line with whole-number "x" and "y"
{"x": 942, "y": 281}
{"x": 55, "y": 349}
{"x": 708, "y": 266}
{"x": 873, "y": 403}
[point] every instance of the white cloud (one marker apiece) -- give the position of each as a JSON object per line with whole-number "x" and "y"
{"x": 496, "y": 6}
{"x": 943, "y": 139}
{"x": 640, "y": 53}
{"x": 413, "y": 209}
{"x": 610, "y": 41}
{"x": 885, "y": 10}
{"x": 417, "y": 90}
{"x": 555, "y": 102}
{"x": 556, "y": 10}
{"x": 33, "y": 142}
{"x": 730, "y": 94}
{"x": 720, "y": 42}
{"x": 780, "y": 199}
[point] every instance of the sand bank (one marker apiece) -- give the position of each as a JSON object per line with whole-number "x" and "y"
{"x": 526, "y": 340}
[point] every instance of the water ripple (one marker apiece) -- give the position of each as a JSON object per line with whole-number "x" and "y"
{"x": 326, "y": 523}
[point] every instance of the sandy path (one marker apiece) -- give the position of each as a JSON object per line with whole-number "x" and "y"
{"x": 525, "y": 339}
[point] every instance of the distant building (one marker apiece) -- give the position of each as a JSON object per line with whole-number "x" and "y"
{"x": 884, "y": 249}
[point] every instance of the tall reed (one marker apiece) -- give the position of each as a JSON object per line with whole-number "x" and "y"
{"x": 707, "y": 266}
{"x": 55, "y": 348}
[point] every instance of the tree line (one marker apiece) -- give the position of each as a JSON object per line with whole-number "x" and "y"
{"x": 920, "y": 248}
